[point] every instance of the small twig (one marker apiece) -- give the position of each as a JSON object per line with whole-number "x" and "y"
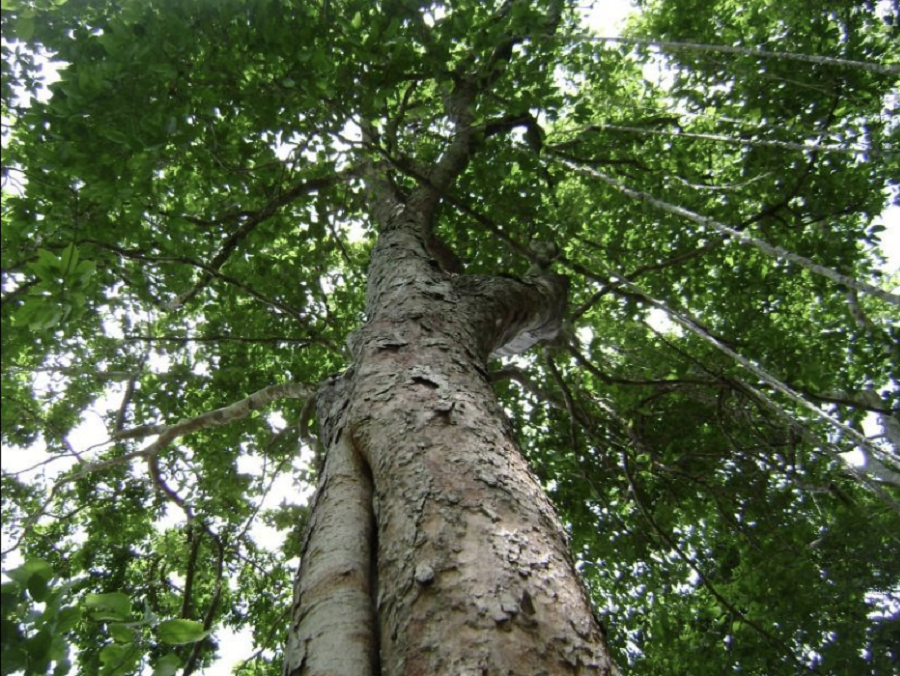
{"x": 250, "y": 223}
{"x": 208, "y": 618}
{"x": 276, "y": 627}
{"x": 275, "y": 475}
{"x": 165, "y": 489}
{"x": 567, "y": 397}
{"x": 306, "y": 414}
{"x": 126, "y": 398}
{"x": 611, "y": 380}
{"x": 190, "y": 571}
{"x": 32, "y": 520}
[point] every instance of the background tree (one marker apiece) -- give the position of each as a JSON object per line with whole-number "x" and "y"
{"x": 187, "y": 221}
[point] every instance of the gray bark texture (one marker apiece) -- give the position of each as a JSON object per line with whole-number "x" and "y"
{"x": 432, "y": 549}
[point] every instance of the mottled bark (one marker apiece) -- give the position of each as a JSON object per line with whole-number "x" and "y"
{"x": 473, "y": 573}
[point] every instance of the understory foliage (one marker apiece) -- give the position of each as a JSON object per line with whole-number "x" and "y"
{"x": 184, "y": 225}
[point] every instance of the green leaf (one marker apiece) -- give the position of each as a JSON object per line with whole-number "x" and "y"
{"x": 10, "y": 597}
{"x": 38, "y": 588}
{"x": 118, "y": 660}
{"x": 47, "y": 316}
{"x": 113, "y": 606}
{"x": 38, "y": 314}
{"x": 121, "y": 633}
{"x": 30, "y": 569}
{"x": 84, "y": 271}
{"x": 167, "y": 665}
{"x": 180, "y": 632}
{"x": 38, "y": 650}
{"x": 116, "y": 136}
{"x": 47, "y": 266}
{"x": 24, "y": 28}
{"x": 69, "y": 258}
{"x": 67, "y": 619}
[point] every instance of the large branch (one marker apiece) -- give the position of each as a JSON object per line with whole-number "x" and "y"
{"x": 784, "y": 145}
{"x": 514, "y": 314}
{"x": 667, "y": 45}
{"x": 773, "y": 382}
{"x": 742, "y": 237}
{"x": 495, "y": 229}
{"x": 459, "y": 106}
{"x": 167, "y": 434}
{"x": 220, "y": 416}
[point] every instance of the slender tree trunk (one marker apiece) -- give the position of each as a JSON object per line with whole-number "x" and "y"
{"x": 471, "y": 573}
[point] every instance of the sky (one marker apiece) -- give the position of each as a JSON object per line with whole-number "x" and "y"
{"x": 604, "y": 17}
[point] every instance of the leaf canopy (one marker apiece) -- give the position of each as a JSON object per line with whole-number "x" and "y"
{"x": 184, "y": 224}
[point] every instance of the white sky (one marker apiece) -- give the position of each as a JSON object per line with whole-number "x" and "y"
{"x": 605, "y": 18}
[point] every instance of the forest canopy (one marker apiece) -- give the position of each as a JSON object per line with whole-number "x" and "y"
{"x": 185, "y": 240}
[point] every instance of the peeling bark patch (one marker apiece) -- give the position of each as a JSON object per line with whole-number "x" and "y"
{"x": 443, "y": 410}
{"x": 439, "y": 343}
{"x": 421, "y": 380}
{"x": 384, "y": 390}
{"x": 424, "y": 574}
{"x": 444, "y": 406}
{"x": 508, "y": 604}
{"x": 527, "y": 604}
{"x": 490, "y": 513}
{"x": 423, "y": 375}
{"x": 487, "y": 478}
{"x": 391, "y": 344}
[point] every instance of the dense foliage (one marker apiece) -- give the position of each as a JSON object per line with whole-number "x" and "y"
{"x": 184, "y": 225}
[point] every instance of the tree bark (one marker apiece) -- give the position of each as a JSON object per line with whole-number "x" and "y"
{"x": 472, "y": 574}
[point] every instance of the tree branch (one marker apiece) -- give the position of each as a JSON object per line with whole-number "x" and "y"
{"x": 218, "y": 417}
{"x": 888, "y": 69}
{"x": 774, "y": 383}
{"x": 784, "y": 145}
{"x": 269, "y": 340}
{"x": 459, "y": 108}
{"x": 135, "y": 254}
{"x": 742, "y": 237}
{"x": 253, "y": 220}
{"x": 567, "y": 398}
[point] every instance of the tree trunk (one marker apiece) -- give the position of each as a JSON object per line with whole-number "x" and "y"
{"x": 471, "y": 573}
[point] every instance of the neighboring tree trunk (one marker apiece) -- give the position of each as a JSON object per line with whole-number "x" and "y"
{"x": 471, "y": 573}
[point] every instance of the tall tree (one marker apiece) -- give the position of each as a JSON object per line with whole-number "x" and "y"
{"x": 501, "y": 263}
